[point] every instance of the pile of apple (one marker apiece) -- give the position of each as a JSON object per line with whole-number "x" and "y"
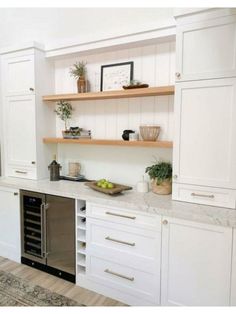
{"x": 103, "y": 183}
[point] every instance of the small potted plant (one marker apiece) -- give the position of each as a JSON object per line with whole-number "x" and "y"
{"x": 161, "y": 177}
{"x": 78, "y": 71}
{"x": 64, "y": 111}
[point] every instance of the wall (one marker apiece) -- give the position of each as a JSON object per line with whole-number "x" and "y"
{"x": 53, "y": 26}
{"x": 155, "y": 65}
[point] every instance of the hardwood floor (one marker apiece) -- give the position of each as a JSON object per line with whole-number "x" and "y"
{"x": 57, "y": 285}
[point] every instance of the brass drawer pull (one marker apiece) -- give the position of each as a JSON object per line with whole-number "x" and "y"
{"x": 120, "y": 215}
{"x": 22, "y": 172}
{"x": 120, "y": 241}
{"x": 118, "y": 275}
{"x": 203, "y": 195}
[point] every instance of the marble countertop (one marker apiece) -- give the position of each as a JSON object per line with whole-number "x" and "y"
{"x": 146, "y": 203}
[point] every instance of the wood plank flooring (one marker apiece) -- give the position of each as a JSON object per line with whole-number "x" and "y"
{"x": 57, "y": 285}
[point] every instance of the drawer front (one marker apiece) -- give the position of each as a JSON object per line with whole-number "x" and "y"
{"x": 126, "y": 279}
{"x": 204, "y": 195}
{"x": 123, "y": 216}
{"x": 131, "y": 246}
{"x": 22, "y": 172}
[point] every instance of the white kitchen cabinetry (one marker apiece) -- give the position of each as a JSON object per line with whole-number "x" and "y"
{"x": 10, "y": 246}
{"x": 196, "y": 263}
{"x": 206, "y": 49}
{"x": 233, "y": 278}
{"x": 19, "y": 74}
{"x": 205, "y": 142}
{"x": 26, "y": 76}
{"x": 123, "y": 254}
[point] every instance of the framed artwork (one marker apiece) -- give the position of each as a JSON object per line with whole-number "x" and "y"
{"x": 114, "y": 76}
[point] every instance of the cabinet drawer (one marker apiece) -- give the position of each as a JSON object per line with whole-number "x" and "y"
{"x": 123, "y": 216}
{"x": 204, "y": 195}
{"x": 135, "y": 247}
{"x": 22, "y": 172}
{"x": 126, "y": 279}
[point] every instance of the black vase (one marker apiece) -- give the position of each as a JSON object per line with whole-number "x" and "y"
{"x": 126, "y": 134}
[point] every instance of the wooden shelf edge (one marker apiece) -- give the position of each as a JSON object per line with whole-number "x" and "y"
{"x": 58, "y": 140}
{"x": 141, "y": 92}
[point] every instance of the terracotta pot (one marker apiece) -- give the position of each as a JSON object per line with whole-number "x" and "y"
{"x": 82, "y": 85}
{"x": 163, "y": 188}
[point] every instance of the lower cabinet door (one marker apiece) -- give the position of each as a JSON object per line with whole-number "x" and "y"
{"x": 10, "y": 246}
{"x": 233, "y": 279}
{"x": 196, "y": 263}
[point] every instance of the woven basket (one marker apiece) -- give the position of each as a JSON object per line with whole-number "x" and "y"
{"x": 149, "y": 132}
{"x": 164, "y": 188}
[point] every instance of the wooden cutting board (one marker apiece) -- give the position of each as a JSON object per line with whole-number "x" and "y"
{"x": 118, "y": 188}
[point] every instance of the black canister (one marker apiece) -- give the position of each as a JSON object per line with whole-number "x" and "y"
{"x": 126, "y": 134}
{"x": 54, "y": 168}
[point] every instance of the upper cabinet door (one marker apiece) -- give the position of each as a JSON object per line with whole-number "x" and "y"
{"x": 205, "y": 133}
{"x": 18, "y": 73}
{"x": 20, "y": 131}
{"x": 206, "y": 49}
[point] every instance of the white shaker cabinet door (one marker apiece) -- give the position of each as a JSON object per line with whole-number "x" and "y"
{"x": 19, "y": 131}
{"x": 18, "y": 75}
{"x": 205, "y": 133}
{"x": 206, "y": 49}
{"x": 196, "y": 263}
{"x": 10, "y": 224}
{"x": 233, "y": 279}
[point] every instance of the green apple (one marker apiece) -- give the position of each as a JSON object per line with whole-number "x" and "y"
{"x": 110, "y": 185}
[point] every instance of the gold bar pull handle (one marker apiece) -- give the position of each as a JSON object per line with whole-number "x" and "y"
{"x": 119, "y": 241}
{"x": 203, "y": 195}
{"x": 19, "y": 171}
{"x": 120, "y": 215}
{"x": 118, "y": 275}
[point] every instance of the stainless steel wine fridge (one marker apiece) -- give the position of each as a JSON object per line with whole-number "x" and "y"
{"x": 48, "y": 233}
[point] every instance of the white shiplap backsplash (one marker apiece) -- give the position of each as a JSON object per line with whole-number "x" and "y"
{"x": 153, "y": 64}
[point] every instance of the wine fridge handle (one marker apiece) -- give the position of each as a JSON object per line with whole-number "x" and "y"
{"x": 45, "y": 208}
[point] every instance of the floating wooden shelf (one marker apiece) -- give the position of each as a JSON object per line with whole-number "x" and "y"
{"x": 58, "y": 140}
{"x": 138, "y": 92}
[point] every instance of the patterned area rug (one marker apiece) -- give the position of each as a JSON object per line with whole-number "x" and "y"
{"x": 15, "y": 291}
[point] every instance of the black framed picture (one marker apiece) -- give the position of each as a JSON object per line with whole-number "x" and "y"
{"x": 114, "y": 76}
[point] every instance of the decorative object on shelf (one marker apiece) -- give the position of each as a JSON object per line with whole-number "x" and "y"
{"x": 77, "y": 133}
{"x": 78, "y": 71}
{"x": 135, "y": 84}
{"x": 142, "y": 186}
{"x": 114, "y": 76}
{"x": 64, "y": 111}
{"x": 126, "y": 134}
{"x": 133, "y": 137}
{"x": 74, "y": 169}
{"x": 118, "y": 188}
{"x": 149, "y": 132}
{"x": 161, "y": 177}
{"x": 54, "y": 168}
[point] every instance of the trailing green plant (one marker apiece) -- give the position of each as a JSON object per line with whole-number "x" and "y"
{"x": 78, "y": 69}
{"x": 64, "y": 111}
{"x": 160, "y": 171}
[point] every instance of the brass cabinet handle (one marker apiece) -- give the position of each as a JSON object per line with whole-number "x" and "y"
{"x": 118, "y": 275}
{"x": 16, "y": 193}
{"x": 203, "y": 195}
{"x": 165, "y": 222}
{"x": 31, "y": 89}
{"x": 175, "y": 176}
{"x": 120, "y": 215}
{"x": 120, "y": 241}
{"x": 33, "y": 162}
{"x": 22, "y": 172}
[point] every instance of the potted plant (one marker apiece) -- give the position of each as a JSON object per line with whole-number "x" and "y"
{"x": 78, "y": 71}
{"x": 64, "y": 111}
{"x": 161, "y": 177}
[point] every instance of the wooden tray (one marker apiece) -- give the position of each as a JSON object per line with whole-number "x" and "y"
{"x": 135, "y": 86}
{"x": 118, "y": 188}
